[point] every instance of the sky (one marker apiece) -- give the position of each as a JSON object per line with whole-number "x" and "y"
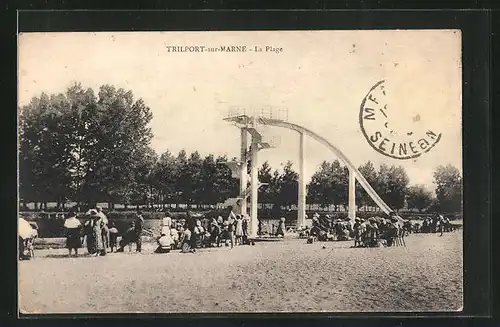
{"x": 320, "y": 77}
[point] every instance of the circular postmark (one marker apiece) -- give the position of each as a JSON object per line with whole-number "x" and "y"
{"x": 388, "y": 132}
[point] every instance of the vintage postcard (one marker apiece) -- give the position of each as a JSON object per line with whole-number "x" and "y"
{"x": 249, "y": 171}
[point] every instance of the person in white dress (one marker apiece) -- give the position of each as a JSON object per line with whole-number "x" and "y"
{"x": 239, "y": 230}
{"x": 73, "y": 233}
{"x": 105, "y": 229}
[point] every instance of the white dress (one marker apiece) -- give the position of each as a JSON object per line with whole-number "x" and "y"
{"x": 239, "y": 227}
{"x": 165, "y": 230}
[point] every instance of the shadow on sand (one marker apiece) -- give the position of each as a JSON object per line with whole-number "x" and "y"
{"x": 267, "y": 239}
{"x": 65, "y": 256}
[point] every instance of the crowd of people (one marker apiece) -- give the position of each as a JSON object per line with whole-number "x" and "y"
{"x": 435, "y": 224}
{"x": 192, "y": 234}
{"x": 372, "y": 232}
{"x": 276, "y": 230}
{"x": 101, "y": 236}
{"x": 379, "y": 231}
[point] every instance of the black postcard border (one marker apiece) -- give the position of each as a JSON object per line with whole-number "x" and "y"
{"x": 475, "y": 26}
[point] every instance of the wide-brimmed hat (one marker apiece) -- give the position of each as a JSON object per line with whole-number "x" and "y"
{"x": 93, "y": 212}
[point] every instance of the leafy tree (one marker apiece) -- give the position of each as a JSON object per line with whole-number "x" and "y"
{"x": 181, "y": 172}
{"x": 164, "y": 177}
{"x": 224, "y": 184}
{"x": 142, "y": 187}
{"x": 340, "y": 183}
{"x": 43, "y": 153}
{"x": 370, "y": 174}
{"x": 275, "y": 191}
{"x": 418, "y": 197}
{"x": 320, "y": 189}
{"x": 265, "y": 176}
{"x": 287, "y": 195}
{"x": 329, "y": 185}
{"x": 392, "y": 183}
{"x": 193, "y": 179}
{"x": 122, "y": 139}
{"x": 82, "y": 146}
{"x": 208, "y": 192}
{"x": 448, "y": 183}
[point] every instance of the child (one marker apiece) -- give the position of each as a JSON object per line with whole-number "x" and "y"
{"x": 174, "y": 234}
{"x": 239, "y": 230}
{"x": 30, "y": 248}
{"x": 215, "y": 231}
{"x": 281, "y": 228}
{"x": 113, "y": 235}
{"x": 227, "y": 232}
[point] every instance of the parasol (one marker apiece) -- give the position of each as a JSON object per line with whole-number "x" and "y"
{"x": 24, "y": 229}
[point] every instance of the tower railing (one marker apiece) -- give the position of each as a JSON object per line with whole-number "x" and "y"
{"x": 275, "y": 113}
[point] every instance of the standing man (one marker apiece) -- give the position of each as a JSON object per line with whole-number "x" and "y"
{"x": 229, "y": 225}
{"x": 139, "y": 222}
{"x": 440, "y": 220}
{"x": 105, "y": 229}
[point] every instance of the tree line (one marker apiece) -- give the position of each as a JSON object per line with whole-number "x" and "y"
{"x": 330, "y": 185}
{"x": 87, "y": 147}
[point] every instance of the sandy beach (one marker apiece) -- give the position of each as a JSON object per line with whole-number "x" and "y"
{"x": 278, "y": 276}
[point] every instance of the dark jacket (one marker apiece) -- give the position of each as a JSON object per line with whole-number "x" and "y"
{"x": 139, "y": 222}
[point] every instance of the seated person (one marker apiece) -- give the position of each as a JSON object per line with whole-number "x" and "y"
{"x": 322, "y": 236}
{"x": 311, "y": 239}
{"x": 30, "y": 249}
{"x": 207, "y": 239}
{"x": 174, "y": 234}
{"x": 304, "y": 232}
{"x": 186, "y": 242}
{"x": 164, "y": 244}
{"x": 330, "y": 236}
{"x": 129, "y": 238}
